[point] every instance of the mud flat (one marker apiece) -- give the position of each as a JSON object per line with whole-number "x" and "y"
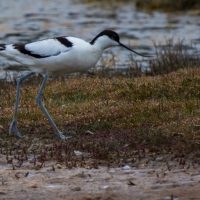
{"x": 152, "y": 180}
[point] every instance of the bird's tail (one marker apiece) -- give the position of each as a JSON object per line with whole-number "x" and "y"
{"x": 2, "y": 47}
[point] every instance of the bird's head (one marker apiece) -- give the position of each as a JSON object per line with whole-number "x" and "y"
{"x": 108, "y": 38}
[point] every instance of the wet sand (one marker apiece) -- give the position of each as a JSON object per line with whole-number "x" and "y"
{"x": 155, "y": 180}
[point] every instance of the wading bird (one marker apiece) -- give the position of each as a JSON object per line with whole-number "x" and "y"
{"x": 57, "y": 56}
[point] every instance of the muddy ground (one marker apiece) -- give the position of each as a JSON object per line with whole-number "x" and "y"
{"x": 158, "y": 179}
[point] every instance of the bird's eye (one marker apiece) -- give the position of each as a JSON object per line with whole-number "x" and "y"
{"x": 113, "y": 38}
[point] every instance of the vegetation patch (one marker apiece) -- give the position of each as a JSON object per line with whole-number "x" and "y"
{"x": 116, "y": 122}
{"x": 168, "y": 5}
{"x": 112, "y": 120}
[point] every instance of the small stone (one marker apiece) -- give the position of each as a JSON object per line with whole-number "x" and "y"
{"x": 89, "y": 132}
{"x": 59, "y": 166}
{"x": 111, "y": 171}
{"x": 107, "y": 188}
{"x": 76, "y": 189}
{"x": 126, "y": 167}
{"x": 64, "y": 106}
{"x": 78, "y": 153}
{"x": 33, "y": 185}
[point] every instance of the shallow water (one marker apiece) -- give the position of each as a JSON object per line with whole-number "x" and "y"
{"x": 22, "y": 21}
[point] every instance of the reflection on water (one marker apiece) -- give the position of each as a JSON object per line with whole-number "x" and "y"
{"x": 22, "y": 21}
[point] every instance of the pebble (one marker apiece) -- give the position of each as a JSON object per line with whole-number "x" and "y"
{"x": 59, "y": 166}
{"x": 111, "y": 171}
{"x": 76, "y": 189}
{"x": 126, "y": 167}
{"x": 89, "y": 132}
{"x": 33, "y": 185}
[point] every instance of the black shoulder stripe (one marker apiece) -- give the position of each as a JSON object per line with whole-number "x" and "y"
{"x": 21, "y": 48}
{"x": 64, "y": 41}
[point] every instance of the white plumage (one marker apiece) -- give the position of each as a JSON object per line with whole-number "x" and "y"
{"x": 55, "y": 57}
{"x": 60, "y": 55}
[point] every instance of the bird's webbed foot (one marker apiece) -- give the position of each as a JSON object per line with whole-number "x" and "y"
{"x": 13, "y": 129}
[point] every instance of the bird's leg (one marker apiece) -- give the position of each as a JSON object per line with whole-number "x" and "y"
{"x": 39, "y": 100}
{"x": 13, "y": 125}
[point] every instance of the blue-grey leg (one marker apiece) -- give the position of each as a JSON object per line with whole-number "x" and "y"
{"x": 39, "y": 100}
{"x": 13, "y": 125}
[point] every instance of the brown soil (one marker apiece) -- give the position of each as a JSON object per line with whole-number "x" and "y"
{"x": 155, "y": 180}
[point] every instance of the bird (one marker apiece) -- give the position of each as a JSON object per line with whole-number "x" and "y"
{"x": 57, "y": 56}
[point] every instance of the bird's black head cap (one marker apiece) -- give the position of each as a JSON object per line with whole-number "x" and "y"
{"x": 111, "y": 34}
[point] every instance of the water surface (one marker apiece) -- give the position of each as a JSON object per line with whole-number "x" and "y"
{"x": 23, "y": 21}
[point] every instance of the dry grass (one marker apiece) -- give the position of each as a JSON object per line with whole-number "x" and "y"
{"x": 119, "y": 102}
{"x": 129, "y": 118}
{"x": 173, "y": 56}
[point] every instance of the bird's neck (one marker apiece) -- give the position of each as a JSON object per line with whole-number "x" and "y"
{"x": 100, "y": 42}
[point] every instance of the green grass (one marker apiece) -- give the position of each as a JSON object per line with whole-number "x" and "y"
{"x": 127, "y": 116}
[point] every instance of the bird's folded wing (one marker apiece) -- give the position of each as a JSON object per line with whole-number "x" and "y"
{"x": 45, "y": 48}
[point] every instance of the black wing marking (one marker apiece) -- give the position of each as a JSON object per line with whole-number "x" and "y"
{"x": 22, "y": 49}
{"x": 45, "y": 48}
{"x": 2, "y": 47}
